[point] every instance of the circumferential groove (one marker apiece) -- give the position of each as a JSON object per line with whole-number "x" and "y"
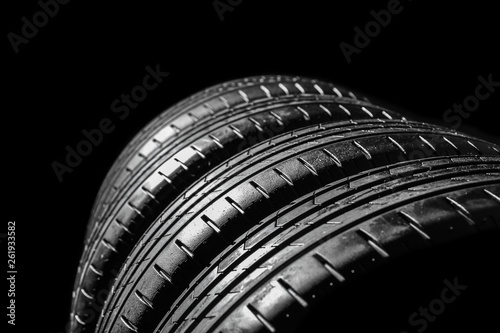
{"x": 461, "y": 210}
{"x": 368, "y": 112}
{"x": 304, "y": 113}
{"x": 343, "y": 108}
{"x": 372, "y": 241}
{"x": 198, "y": 151}
{"x": 394, "y": 142}
{"x": 128, "y": 323}
{"x": 427, "y": 143}
{"x": 161, "y": 272}
{"x": 413, "y": 223}
{"x": 184, "y": 248}
{"x": 283, "y": 176}
{"x": 329, "y": 267}
{"x": 235, "y": 205}
{"x": 144, "y": 299}
{"x": 108, "y": 245}
{"x": 236, "y": 131}
{"x": 260, "y": 189}
{"x": 308, "y": 166}
{"x": 318, "y": 88}
{"x": 266, "y": 91}
{"x": 300, "y": 88}
{"x": 261, "y": 318}
{"x": 244, "y": 96}
{"x": 284, "y": 88}
{"x": 333, "y": 157}
{"x": 363, "y": 150}
{"x": 256, "y": 123}
{"x": 293, "y": 292}
{"x": 337, "y": 92}
{"x": 328, "y": 112}
{"x": 210, "y": 223}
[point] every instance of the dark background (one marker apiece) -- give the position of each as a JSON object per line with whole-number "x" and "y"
{"x": 65, "y": 78}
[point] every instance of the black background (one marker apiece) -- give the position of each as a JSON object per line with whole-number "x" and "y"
{"x": 65, "y": 78}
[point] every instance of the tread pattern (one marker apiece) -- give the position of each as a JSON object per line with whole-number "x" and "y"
{"x": 186, "y": 141}
{"x": 230, "y": 201}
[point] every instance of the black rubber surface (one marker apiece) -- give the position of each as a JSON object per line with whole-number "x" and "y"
{"x": 245, "y": 207}
{"x": 178, "y": 147}
{"x": 206, "y": 231}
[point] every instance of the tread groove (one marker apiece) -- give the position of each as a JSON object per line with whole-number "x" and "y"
{"x": 144, "y": 299}
{"x": 260, "y": 189}
{"x": 337, "y": 92}
{"x": 215, "y": 140}
{"x": 161, "y": 272}
{"x": 412, "y": 222}
{"x": 235, "y": 205}
{"x": 368, "y": 112}
{"x": 108, "y": 245}
{"x": 329, "y": 267}
{"x": 184, "y": 248}
{"x": 121, "y": 225}
{"x": 293, "y": 293}
{"x": 324, "y": 108}
{"x": 128, "y": 323}
{"x": 427, "y": 143}
{"x": 261, "y": 318}
{"x": 256, "y": 123}
{"x": 284, "y": 88}
{"x": 461, "y": 210}
{"x": 373, "y": 242}
{"x": 210, "y": 223}
{"x": 198, "y": 151}
{"x": 308, "y": 166}
{"x": 493, "y": 195}
{"x": 343, "y": 108}
{"x": 333, "y": 157}
{"x": 363, "y": 150}
{"x": 304, "y": 113}
{"x": 397, "y": 145}
{"x": 266, "y": 91}
{"x": 283, "y": 176}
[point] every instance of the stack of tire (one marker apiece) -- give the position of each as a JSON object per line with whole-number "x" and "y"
{"x": 242, "y": 207}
